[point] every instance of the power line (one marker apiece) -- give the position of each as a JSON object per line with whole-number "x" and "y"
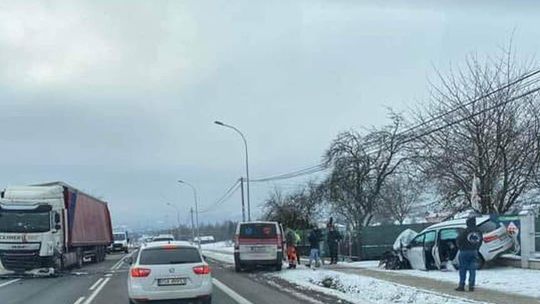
{"x": 371, "y": 144}
{"x": 224, "y": 197}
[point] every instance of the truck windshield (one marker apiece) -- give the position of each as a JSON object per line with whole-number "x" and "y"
{"x": 119, "y": 236}
{"x": 24, "y": 221}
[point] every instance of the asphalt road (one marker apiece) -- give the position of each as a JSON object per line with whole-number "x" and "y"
{"x": 105, "y": 283}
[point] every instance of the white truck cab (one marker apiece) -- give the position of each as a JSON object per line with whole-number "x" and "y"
{"x": 120, "y": 242}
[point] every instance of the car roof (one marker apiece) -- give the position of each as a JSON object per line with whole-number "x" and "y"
{"x": 174, "y": 243}
{"x": 462, "y": 222}
{"x": 258, "y": 222}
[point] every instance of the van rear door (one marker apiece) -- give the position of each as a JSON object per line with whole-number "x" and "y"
{"x": 258, "y": 241}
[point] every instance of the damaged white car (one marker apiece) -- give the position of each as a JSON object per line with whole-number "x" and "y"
{"x": 435, "y": 247}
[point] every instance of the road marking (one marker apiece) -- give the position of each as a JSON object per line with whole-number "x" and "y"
{"x": 97, "y": 291}
{"x": 96, "y": 284}
{"x": 231, "y": 293}
{"x": 79, "y": 300}
{"x": 9, "y": 282}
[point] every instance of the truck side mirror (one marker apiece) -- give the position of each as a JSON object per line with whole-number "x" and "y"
{"x": 57, "y": 219}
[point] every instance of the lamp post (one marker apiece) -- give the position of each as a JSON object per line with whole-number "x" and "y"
{"x": 196, "y": 209}
{"x": 219, "y": 123}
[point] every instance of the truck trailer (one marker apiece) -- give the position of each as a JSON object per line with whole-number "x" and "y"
{"x": 50, "y": 227}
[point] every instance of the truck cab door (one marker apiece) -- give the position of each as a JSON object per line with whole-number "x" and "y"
{"x": 415, "y": 253}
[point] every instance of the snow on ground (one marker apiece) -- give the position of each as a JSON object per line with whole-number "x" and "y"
{"x": 362, "y": 289}
{"x": 219, "y": 256}
{"x": 225, "y": 246}
{"x": 504, "y": 279}
{"x": 361, "y": 264}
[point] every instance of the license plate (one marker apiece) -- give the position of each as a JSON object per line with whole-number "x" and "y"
{"x": 259, "y": 249}
{"x": 171, "y": 281}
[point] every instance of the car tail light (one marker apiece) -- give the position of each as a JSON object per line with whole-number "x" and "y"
{"x": 138, "y": 272}
{"x": 236, "y": 242}
{"x": 490, "y": 238}
{"x": 204, "y": 269}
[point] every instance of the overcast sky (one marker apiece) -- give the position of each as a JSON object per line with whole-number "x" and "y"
{"x": 118, "y": 97}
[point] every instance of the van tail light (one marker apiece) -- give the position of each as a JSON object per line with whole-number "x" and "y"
{"x": 280, "y": 242}
{"x": 236, "y": 242}
{"x": 490, "y": 238}
{"x": 203, "y": 269}
{"x": 138, "y": 272}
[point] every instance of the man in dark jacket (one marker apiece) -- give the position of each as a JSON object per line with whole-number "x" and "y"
{"x": 333, "y": 238}
{"x": 468, "y": 243}
{"x": 314, "y": 239}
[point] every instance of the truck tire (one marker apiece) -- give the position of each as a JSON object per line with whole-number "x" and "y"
{"x": 80, "y": 259}
{"x": 126, "y": 250}
{"x": 58, "y": 264}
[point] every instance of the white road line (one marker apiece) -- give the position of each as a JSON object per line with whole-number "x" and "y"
{"x": 9, "y": 282}
{"x": 96, "y": 284}
{"x": 97, "y": 291}
{"x": 79, "y": 300}
{"x": 231, "y": 293}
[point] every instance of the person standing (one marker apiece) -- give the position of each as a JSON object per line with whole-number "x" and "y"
{"x": 333, "y": 239}
{"x": 314, "y": 253}
{"x": 468, "y": 243}
{"x": 291, "y": 239}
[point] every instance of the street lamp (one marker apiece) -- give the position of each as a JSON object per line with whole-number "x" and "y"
{"x": 219, "y": 123}
{"x": 196, "y": 209}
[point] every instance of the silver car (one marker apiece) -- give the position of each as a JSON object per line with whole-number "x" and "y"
{"x": 436, "y": 246}
{"x": 169, "y": 271}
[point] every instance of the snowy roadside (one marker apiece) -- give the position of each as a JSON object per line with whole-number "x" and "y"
{"x": 348, "y": 287}
{"x": 361, "y": 289}
{"x": 504, "y": 279}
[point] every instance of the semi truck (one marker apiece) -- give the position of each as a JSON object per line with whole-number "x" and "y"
{"x": 47, "y": 228}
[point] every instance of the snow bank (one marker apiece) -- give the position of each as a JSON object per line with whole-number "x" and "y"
{"x": 362, "y": 289}
{"x": 225, "y": 246}
{"x": 504, "y": 279}
{"x": 219, "y": 256}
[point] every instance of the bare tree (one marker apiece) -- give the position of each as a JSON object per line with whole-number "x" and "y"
{"x": 298, "y": 210}
{"x": 361, "y": 164}
{"x": 491, "y": 134}
{"x": 400, "y": 194}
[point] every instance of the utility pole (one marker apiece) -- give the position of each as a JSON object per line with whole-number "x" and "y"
{"x": 192, "y": 225}
{"x": 242, "y": 193}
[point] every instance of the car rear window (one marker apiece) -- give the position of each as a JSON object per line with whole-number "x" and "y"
{"x": 258, "y": 231}
{"x": 488, "y": 226}
{"x": 176, "y": 255}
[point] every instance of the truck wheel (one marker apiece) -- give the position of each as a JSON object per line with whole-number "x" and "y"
{"x": 80, "y": 260}
{"x": 58, "y": 264}
{"x": 126, "y": 250}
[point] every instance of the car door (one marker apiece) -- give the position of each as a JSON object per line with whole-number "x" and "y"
{"x": 415, "y": 252}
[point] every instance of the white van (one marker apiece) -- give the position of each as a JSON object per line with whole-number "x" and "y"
{"x": 258, "y": 244}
